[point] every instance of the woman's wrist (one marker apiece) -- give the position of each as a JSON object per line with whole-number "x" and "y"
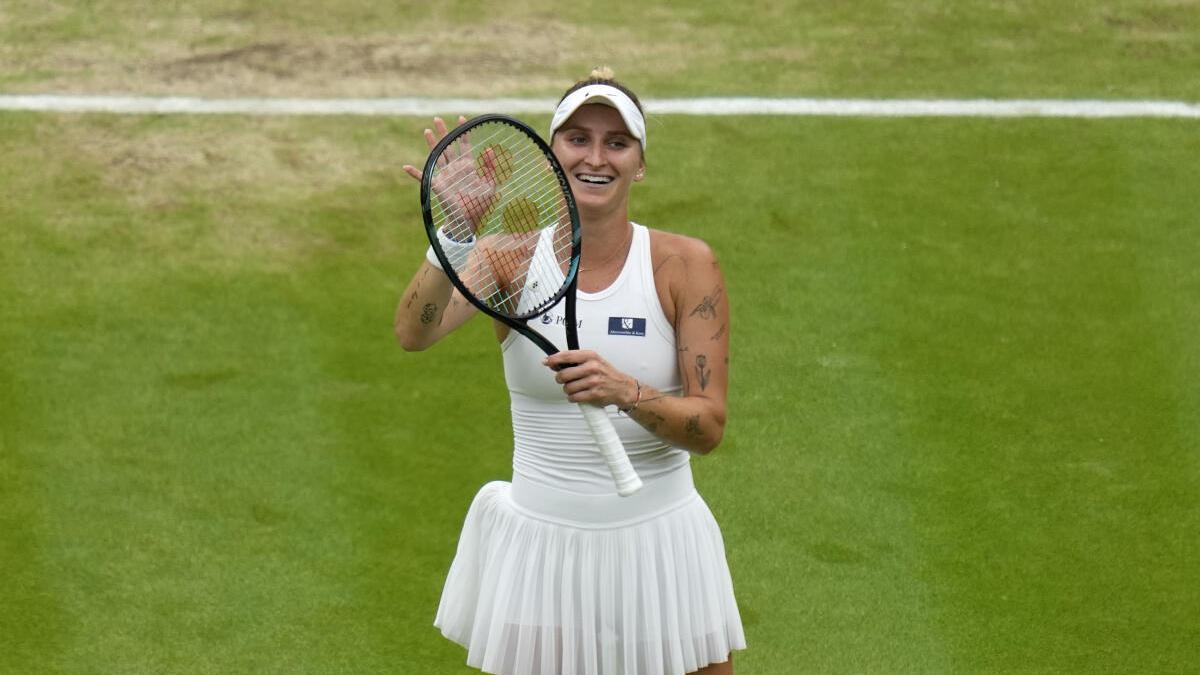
{"x": 455, "y": 251}
{"x": 637, "y": 398}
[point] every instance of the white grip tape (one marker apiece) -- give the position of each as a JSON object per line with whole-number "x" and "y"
{"x": 606, "y": 437}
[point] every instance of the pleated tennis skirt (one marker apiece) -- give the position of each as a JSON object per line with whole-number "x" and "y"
{"x": 547, "y": 582}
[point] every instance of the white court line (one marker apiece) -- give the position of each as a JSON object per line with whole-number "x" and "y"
{"x": 417, "y": 106}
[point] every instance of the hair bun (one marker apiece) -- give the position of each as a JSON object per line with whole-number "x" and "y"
{"x": 602, "y": 73}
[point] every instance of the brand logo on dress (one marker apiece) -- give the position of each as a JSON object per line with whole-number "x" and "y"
{"x": 626, "y": 325}
{"x": 559, "y": 320}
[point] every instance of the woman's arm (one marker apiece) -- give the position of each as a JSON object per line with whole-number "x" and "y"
{"x": 699, "y": 310}
{"x": 429, "y": 309}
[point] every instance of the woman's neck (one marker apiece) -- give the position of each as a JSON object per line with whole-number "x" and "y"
{"x": 605, "y": 242}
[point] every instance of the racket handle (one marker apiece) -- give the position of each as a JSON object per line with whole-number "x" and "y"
{"x": 623, "y": 474}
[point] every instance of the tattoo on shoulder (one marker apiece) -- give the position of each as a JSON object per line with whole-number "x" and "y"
{"x": 692, "y": 426}
{"x": 703, "y": 372}
{"x": 428, "y": 312}
{"x": 665, "y": 260}
{"x": 707, "y": 309}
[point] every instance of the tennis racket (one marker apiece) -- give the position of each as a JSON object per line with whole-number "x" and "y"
{"x": 502, "y": 221}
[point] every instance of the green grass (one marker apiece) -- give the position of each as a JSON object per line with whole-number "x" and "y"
{"x": 962, "y": 430}
{"x": 963, "y": 417}
{"x": 871, "y": 48}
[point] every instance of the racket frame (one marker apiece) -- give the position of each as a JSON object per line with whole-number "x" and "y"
{"x": 518, "y": 321}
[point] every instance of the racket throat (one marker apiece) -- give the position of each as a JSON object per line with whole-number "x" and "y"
{"x": 572, "y": 327}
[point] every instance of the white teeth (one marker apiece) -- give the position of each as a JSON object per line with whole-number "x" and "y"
{"x": 588, "y": 178}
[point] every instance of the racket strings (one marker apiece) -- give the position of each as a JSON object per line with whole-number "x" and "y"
{"x": 496, "y": 185}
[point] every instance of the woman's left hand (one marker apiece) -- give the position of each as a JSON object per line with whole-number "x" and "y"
{"x": 588, "y": 378}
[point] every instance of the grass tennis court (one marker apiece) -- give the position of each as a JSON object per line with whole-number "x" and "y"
{"x": 963, "y": 431}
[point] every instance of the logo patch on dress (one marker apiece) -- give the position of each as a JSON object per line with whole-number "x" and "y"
{"x": 626, "y": 325}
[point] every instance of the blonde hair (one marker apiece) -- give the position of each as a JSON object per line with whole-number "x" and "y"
{"x": 602, "y": 73}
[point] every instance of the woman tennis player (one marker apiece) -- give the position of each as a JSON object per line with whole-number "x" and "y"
{"x": 555, "y": 573}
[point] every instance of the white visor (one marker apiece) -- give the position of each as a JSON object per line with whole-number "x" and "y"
{"x": 609, "y": 96}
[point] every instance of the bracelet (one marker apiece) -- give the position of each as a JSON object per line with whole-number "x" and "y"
{"x": 636, "y": 401}
{"x": 456, "y": 251}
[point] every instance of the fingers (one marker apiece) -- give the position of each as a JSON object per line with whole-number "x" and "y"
{"x": 431, "y": 139}
{"x": 580, "y": 365}
{"x": 489, "y": 165}
{"x": 580, "y": 385}
{"x": 568, "y": 358}
{"x": 413, "y": 171}
{"x": 587, "y": 378}
{"x": 464, "y": 145}
{"x": 438, "y": 132}
{"x": 440, "y": 128}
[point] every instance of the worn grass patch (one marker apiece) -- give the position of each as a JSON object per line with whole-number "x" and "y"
{"x": 200, "y": 191}
{"x": 1018, "y": 48}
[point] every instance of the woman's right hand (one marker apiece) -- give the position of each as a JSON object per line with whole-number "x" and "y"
{"x": 466, "y": 190}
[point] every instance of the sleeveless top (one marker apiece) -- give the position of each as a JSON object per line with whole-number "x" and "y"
{"x": 624, "y": 324}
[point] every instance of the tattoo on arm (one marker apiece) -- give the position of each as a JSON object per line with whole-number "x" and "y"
{"x": 428, "y": 312}
{"x": 720, "y": 331}
{"x": 707, "y": 309}
{"x": 666, "y": 260}
{"x": 692, "y": 426}
{"x": 703, "y": 371}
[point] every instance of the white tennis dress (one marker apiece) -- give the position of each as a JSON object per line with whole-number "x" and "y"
{"x": 555, "y": 573}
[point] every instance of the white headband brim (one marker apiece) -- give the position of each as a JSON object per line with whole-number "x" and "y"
{"x": 606, "y": 95}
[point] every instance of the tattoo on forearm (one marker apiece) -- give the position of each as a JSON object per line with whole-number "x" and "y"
{"x": 692, "y": 426}
{"x": 428, "y": 312}
{"x": 703, "y": 371}
{"x": 707, "y": 309}
{"x": 652, "y": 425}
{"x": 720, "y": 331}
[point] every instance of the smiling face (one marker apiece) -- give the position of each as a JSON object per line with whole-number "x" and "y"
{"x": 601, "y": 158}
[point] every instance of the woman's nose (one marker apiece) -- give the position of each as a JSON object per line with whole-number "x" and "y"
{"x": 595, "y": 155}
